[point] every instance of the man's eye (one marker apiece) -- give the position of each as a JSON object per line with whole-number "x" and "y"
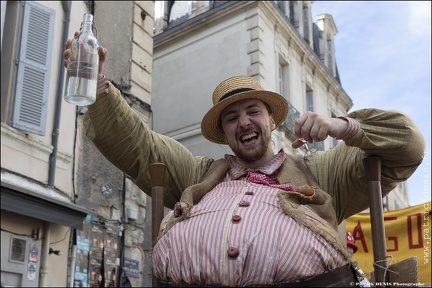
{"x": 254, "y": 112}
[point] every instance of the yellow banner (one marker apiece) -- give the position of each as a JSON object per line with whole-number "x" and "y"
{"x": 407, "y": 232}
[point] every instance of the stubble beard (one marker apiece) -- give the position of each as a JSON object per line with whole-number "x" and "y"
{"x": 253, "y": 154}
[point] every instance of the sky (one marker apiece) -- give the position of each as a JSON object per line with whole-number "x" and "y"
{"x": 383, "y": 54}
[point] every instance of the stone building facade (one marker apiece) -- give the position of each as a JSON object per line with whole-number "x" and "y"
{"x": 55, "y": 185}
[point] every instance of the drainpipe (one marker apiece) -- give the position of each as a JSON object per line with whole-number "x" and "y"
{"x": 72, "y": 266}
{"x": 123, "y": 233}
{"x": 55, "y": 134}
{"x": 45, "y": 252}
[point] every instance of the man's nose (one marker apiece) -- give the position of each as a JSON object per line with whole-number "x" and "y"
{"x": 244, "y": 121}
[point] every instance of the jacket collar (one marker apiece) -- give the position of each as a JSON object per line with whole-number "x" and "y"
{"x": 236, "y": 170}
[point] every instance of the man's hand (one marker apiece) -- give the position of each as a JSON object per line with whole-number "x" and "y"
{"x": 313, "y": 127}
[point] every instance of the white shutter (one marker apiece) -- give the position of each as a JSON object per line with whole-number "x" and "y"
{"x": 34, "y": 63}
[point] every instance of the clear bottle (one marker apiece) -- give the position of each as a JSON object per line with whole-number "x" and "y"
{"x": 82, "y": 70}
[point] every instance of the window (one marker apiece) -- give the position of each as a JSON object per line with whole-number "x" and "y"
{"x": 284, "y": 90}
{"x": 283, "y": 78}
{"x": 307, "y": 28}
{"x": 330, "y": 57}
{"x": 280, "y": 80}
{"x": 293, "y": 13}
{"x": 180, "y": 9}
{"x": 309, "y": 99}
{"x": 26, "y": 94}
{"x": 282, "y": 6}
{"x": 198, "y": 4}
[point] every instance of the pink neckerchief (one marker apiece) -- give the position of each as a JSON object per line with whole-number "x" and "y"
{"x": 260, "y": 175}
{"x": 259, "y": 178}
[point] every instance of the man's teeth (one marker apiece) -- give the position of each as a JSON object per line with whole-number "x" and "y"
{"x": 248, "y": 136}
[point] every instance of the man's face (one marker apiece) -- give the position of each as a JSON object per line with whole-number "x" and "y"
{"x": 247, "y": 126}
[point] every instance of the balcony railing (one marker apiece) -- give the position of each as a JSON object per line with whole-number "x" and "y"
{"x": 289, "y": 123}
{"x": 318, "y": 146}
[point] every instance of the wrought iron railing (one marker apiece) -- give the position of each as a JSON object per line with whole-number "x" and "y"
{"x": 318, "y": 146}
{"x": 289, "y": 121}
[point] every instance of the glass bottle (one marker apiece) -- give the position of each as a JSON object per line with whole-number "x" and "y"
{"x": 82, "y": 70}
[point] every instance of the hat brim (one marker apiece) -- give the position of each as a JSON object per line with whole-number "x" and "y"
{"x": 210, "y": 122}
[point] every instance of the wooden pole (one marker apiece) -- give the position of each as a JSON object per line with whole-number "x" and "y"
{"x": 157, "y": 177}
{"x": 372, "y": 165}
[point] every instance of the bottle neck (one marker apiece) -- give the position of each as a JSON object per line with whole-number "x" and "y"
{"x": 87, "y": 27}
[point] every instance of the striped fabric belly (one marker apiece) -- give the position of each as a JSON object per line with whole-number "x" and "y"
{"x": 237, "y": 236}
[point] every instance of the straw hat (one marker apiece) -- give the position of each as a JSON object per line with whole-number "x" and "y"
{"x": 232, "y": 90}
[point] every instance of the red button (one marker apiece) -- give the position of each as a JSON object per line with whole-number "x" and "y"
{"x": 233, "y": 251}
{"x": 244, "y": 203}
{"x": 249, "y": 193}
{"x": 236, "y": 218}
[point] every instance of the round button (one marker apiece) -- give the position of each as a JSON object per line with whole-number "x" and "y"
{"x": 244, "y": 203}
{"x": 236, "y": 218}
{"x": 233, "y": 251}
{"x": 249, "y": 193}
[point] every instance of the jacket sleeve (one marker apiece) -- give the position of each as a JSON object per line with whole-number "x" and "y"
{"x": 391, "y": 135}
{"x": 126, "y": 141}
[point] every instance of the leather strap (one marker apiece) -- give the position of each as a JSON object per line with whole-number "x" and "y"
{"x": 344, "y": 276}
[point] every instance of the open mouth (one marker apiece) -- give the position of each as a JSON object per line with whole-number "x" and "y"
{"x": 249, "y": 137}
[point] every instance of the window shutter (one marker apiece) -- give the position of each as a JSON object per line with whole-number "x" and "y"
{"x": 34, "y": 63}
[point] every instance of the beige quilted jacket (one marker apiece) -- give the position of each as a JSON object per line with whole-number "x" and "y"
{"x": 126, "y": 141}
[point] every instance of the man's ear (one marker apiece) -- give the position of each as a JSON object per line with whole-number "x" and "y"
{"x": 272, "y": 123}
